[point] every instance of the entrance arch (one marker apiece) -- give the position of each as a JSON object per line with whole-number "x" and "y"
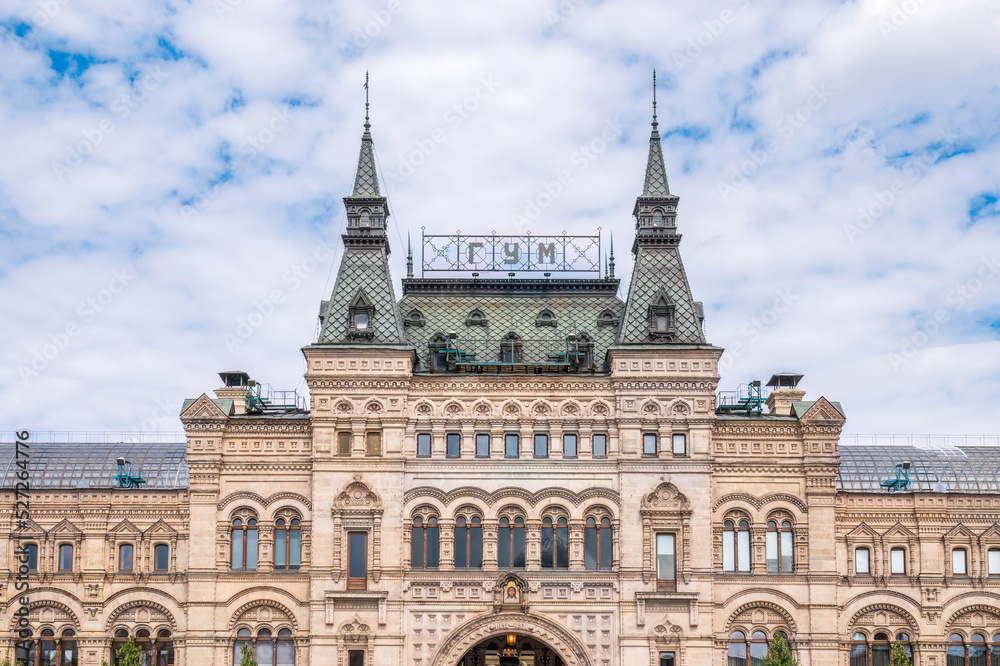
{"x": 535, "y": 627}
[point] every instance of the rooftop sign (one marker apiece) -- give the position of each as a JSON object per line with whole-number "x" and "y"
{"x": 556, "y": 254}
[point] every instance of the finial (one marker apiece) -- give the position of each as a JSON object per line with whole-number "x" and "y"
{"x": 655, "y": 124}
{"x": 409, "y": 256}
{"x": 605, "y": 265}
{"x": 611, "y": 264}
{"x": 368, "y": 124}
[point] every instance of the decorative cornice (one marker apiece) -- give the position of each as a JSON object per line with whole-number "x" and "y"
{"x": 446, "y": 498}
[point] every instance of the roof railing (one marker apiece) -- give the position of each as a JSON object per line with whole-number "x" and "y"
{"x": 920, "y": 441}
{"x": 98, "y": 437}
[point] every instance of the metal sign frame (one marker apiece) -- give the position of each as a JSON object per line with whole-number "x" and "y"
{"x": 555, "y": 254}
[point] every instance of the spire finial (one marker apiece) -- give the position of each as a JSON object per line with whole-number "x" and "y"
{"x": 655, "y": 124}
{"x": 611, "y": 263}
{"x": 409, "y": 256}
{"x": 368, "y": 124}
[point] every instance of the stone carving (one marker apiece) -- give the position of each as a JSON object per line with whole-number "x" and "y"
{"x": 358, "y": 495}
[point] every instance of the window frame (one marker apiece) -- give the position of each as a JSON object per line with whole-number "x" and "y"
{"x": 344, "y": 437}
{"x": 121, "y": 558}
{"x": 892, "y": 565}
{"x": 576, "y": 445}
{"x": 290, "y": 523}
{"x": 665, "y": 584}
{"x": 507, "y": 438}
{"x": 648, "y": 437}
{"x": 673, "y": 444}
{"x": 60, "y": 551}
{"x": 965, "y": 562}
{"x": 470, "y": 522}
{"x": 355, "y": 582}
{"x": 559, "y": 560}
{"x": 27, "y": 550}
{"x": 740, "y": 548}
{"x": 779, "y": 526}
{"x": 536, "y": 437}
{"x": 596, "y": 529}
{"x": 449, "y": 439}
{"x": 156, "y": 549}
{"x": 482, "y": 438}
{"x": 424, "y": 542}
{"x": 376, "y": 437}
{"x": 511, "y": 525}
{"x": 429, "y": 439}
{"x": 668, "y": 658}
{"x": 244, "y": 528}
{"x": 351, "y": 654}
{"x": 604, "y": 446}
{"x": 993, "y": 562}
{"x": 868, "y": 561}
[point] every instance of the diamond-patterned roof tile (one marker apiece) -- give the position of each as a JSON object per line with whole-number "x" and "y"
{"x": 364, "y": 269}
{"x": 655, "y": 184}
{"x": 659, "y": 268}
{"x": 366, "y": 180}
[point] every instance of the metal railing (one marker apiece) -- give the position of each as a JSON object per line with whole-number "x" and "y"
{"x": 97, "y": 437}
{"x": 920, "y": 441}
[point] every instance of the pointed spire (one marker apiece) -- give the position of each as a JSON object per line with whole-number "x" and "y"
{"x": 611, "y": 264}
{"x": 409, "y": 256}
{"x": 366, "y": 179}
{"x": 655, "y": 184}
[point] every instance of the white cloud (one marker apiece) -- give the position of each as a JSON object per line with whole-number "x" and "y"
{"x": 559, "y": 82}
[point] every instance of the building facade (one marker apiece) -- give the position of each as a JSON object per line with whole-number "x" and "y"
{"x": 507, "y": 470}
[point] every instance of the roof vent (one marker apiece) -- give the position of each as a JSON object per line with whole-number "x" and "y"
{"x": 784, "y": 392}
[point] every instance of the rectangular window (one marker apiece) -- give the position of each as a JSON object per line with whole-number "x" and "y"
{"x": 279, "y": 549}
{"x": 510, "y": 446}
{"x": 569, "y": 446}
{"x": 649, "y": 444}
{"x": 771, "y": 551}
{"x": 374, "y": 444}
{"x": 355, "y": 658}
{"x": 599, "y": 446}
{"x": 541, "y": 446}
{"x": 161, "y": 557}
{"x": 667, "y": 659}
{"x": 993, "y": 562}
{"x": 897, "y": 561}
{"x": 482, "y": 445}
{"x": 665, "y": 562}
{"x": 958, "y": 567}
{"x": 423, "y": 445}
{"x": 32, "y": 550}
{"x": 728, "y": 550}
{"x": 862, "y": 561}
{"x": 125, "y": 561}
{"x": 344, "y": 443}
{"x": 65, "y": 557}
{"x": 453, "y": 442}
{"x": 680, "y": 444}
{"x": 357, "y": 564}
{"x": 743, "y": 545}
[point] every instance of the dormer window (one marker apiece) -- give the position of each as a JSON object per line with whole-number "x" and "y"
{"x": 607, "y": 318}
{"x": 476, "y": 318}
{"x": 366, "y": 219}
{"x": 657, "y": 218}
{"x": 414, "y": 318}
{"x": 545, "y": 318}
{"x": 661, "y": 319}
{"x": 360, "y": 318}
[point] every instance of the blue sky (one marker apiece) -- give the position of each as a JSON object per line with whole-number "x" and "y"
{"x": 170, "y": 193}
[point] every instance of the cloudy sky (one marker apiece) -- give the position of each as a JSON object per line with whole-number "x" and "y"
{"x": 170, "y": 170}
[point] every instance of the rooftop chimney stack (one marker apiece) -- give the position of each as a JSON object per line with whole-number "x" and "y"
{"x": 783, "y": 393}
{"x": 234, "y": 387}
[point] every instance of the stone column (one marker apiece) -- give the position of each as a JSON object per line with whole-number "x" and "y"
{"x": 576, "y": 560}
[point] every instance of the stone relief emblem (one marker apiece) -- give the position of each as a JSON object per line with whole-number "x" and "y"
{"x": 571, "y": 410}
{"x": 680, "y": 409}
{"x": 454, "y": 409}
{"x": 373, "y": 407}
{"x": 512, "y": 410}
{"x": 424, "y": 409}
{"x": 344, "y": 408}
{"x": 483, "y": 409}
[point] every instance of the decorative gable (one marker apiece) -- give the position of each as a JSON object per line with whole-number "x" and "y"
{"x": 203, "y": 408}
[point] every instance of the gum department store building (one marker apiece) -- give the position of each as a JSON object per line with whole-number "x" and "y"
{"x": 509, "y": 470}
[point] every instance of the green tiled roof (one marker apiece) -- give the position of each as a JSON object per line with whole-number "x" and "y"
{"x": 363, "y": 270}
{"x": 659, "y": 268}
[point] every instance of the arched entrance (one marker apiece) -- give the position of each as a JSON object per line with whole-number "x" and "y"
{"x": 477, "y": 638}
{"x": 510, "y": 650}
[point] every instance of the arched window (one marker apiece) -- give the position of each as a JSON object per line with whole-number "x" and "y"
{"x": 161, "y": 557}
{"x": 779, "y": 546}
{"x": 510, "y": 349}
{"x": 48, "y": 650}
{"x": 286, "y": 649}
{"x": 287, "y": 542}
{"x": 597, "y": 544}
{"x": 163, "y": 648}
{"x": 995, "y": 650}
{"x": 244, "y": 544}
{"x": 657, "y": 218}
{"x": 242, "y": 638}
{"x": 758, "y": 648}
{"x": 265, "y": 648}
{"x": 736, "y": 545}
{"x": 67, "y": 648}
{"x": 125, "y": 557}
{"x": 859, "y": 650}
{"x": 468, "y": 543}
{"x": 424, "y": 543}
{"x": 972, "y": 654}
{"x": 66, "y": 557}
{"x": 510, "y": 543}
{"x": 435, "y": 353}
{"x": 880, "y": 649}
{"x": 555, "y": 543}
{"x": 904, "y": 640}
{"x": 738, "y": 649}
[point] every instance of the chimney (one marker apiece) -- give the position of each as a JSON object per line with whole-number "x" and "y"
{"x": 234, "y": 387}
{"x": 783, "y": 393}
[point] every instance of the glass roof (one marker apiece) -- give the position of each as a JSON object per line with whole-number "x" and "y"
{"x": 970, "y": 469}
{"x": 92, "y": 465}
